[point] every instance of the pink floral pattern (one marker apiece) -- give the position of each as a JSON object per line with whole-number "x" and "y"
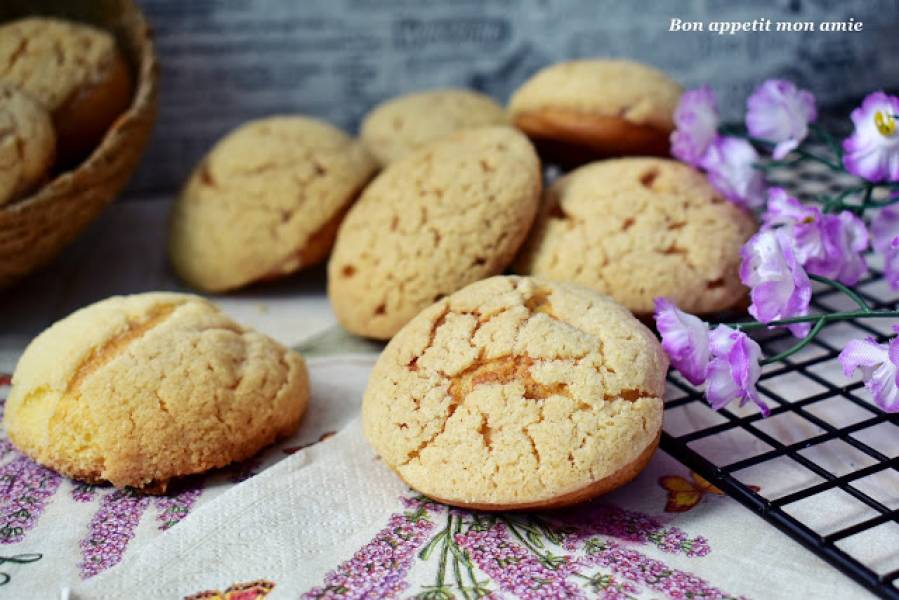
{"x": 172, "y": 509}
{"x": 515, "y": 568}
{"x": 378, "y": 569}
{"x": 110, "y": 530}
{"x": 25, "y": 488}
{"x": 654, "y": 574}
{"x": 83, "y": 492}
{"x": 572, "y": 554}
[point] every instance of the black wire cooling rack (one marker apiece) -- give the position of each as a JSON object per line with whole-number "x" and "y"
{"x": 825, "y": 444}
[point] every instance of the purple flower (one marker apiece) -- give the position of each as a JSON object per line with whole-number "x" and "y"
{"x": 655, "y": 574}
{"x": 891, "y": 264}
{"x": 826, "y": 245}
{"x": 879, "y": 364}
{"x": 730, "y": 163}
{"x": 734, "y": 369}
{"x": 685, "y": 338}
{"x": 780, "y": 287}
{"x": 779, "y": 112}
{"x": 378, "y": 569}
{"x": 25, "y": 489}
{"x": 872, "y": 151}
{"x": 173, "y": 509}
{"x": 885, "y": 228}
{"x": 514, "y": 568}
{"x": 696, "y": 119}
{"x": 110, "y": 530}
{"x": 844, "y": 239}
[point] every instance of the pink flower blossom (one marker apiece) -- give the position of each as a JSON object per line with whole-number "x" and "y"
{"x": 655, "y": 574}
{"x": 685, "y": 338}
{"x": 734, "y": 369}
{"x": 885, "y": 228}
{"x": 844, "y": 240}
{"x": 110, "y": 530}
{"x": 25, "y": 489}
{"x": 872, "y": 151}
{"x": 779, "y": 112}
{"x": 696, "y": 118}
{"x": 514, "y": 568}
{"x": 891, "y": 264}
{"x": 377, "y": 570}
{"x": 826, "y": 245}
{"x": 730, "y": 163}
{"x": 173, "y": 509}
{"x": 780, "y": 287}
{"x": 879, "y": 364}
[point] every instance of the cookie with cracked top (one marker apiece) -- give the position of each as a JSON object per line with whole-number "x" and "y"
{"x": 265, "y": 202}
{"x": 517, "y": 393}
{"x": 137, "y": 390}
{"x": 640, "y": 228}
{"x": 453, "y": 212}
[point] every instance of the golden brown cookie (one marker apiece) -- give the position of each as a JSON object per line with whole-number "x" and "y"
{"x": 136, "y": 390}
{"x": 449, "y": 214}
{"x": 639, "y": 228}
{"x": 265, "y": 202}
{"x": 73, "y": 70}
{"x": 397, "y": 127}
{"x": 517, "y": 393}
{"x": 27, "y": 144}
{"x": 586, "y": 109}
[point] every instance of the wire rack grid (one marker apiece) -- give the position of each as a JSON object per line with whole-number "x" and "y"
{"x": 827, "y": 457}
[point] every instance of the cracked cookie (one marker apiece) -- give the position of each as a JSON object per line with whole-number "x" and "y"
{"x": 265, "y": 202}
{"x": 445, "y": 216}
{"x": 136, "y": 390}
{"x": 517, "y": 393}
{"x": 73, "y": 70}
{"x": 27, "y": 144}
{"x": 585, "y": 109}
{"x": 639, "y": 228}
{"x": 397, "y": 127}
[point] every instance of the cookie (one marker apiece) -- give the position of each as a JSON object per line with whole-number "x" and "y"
{"x": 27, "y": 144}
{"x": 445, "y": 216}
{"x": 136, "y": 390}
{"x": 517, "y": 393}
{"x": 639, "y": 228}
{"x": 265, "y": 202}
{"x": 73, "y": 70}
{"x": 400, "y": 126}
{"x": 581, "y": 110}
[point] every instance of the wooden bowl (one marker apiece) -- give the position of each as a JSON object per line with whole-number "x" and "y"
{"x": 36, "y": 228}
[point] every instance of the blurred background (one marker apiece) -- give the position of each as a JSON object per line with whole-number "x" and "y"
{"x": 226, "y": 61}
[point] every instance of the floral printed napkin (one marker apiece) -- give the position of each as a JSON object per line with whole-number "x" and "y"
{"x": 331, "y": 521}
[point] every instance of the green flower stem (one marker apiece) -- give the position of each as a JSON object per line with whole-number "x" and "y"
{"x": 829, "y": 318}
{"x": 451, "y": 543}
{"x": 441, "y": 566}
{"x": 527, "y": 544}
{"x": 819, "y": 325}
{"x": 828, "y": 139}
{"x": 839, "y": 286}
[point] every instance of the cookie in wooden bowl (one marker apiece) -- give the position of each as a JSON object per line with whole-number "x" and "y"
{"x": 27, "y": 143}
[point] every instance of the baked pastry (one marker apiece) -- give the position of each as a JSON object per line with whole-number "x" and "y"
{"x": 639, "y": 228}
{"x": 586, "y": 109}
{"x": 401, "y": 125}
{"x": 265, "y": 202}
{"x": 449, "y": 214}
{"x": 136, "y": 390}
{"x": 27, "y": 144}
{"x": 517, "y": 393}
{"x": 75, "y": 71}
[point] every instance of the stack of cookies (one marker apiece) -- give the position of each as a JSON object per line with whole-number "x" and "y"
{"x": 496, "y": 391}
{"x": 62, "y": 84}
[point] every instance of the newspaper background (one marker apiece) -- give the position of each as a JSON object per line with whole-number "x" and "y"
{"x": 227, "y": 61}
